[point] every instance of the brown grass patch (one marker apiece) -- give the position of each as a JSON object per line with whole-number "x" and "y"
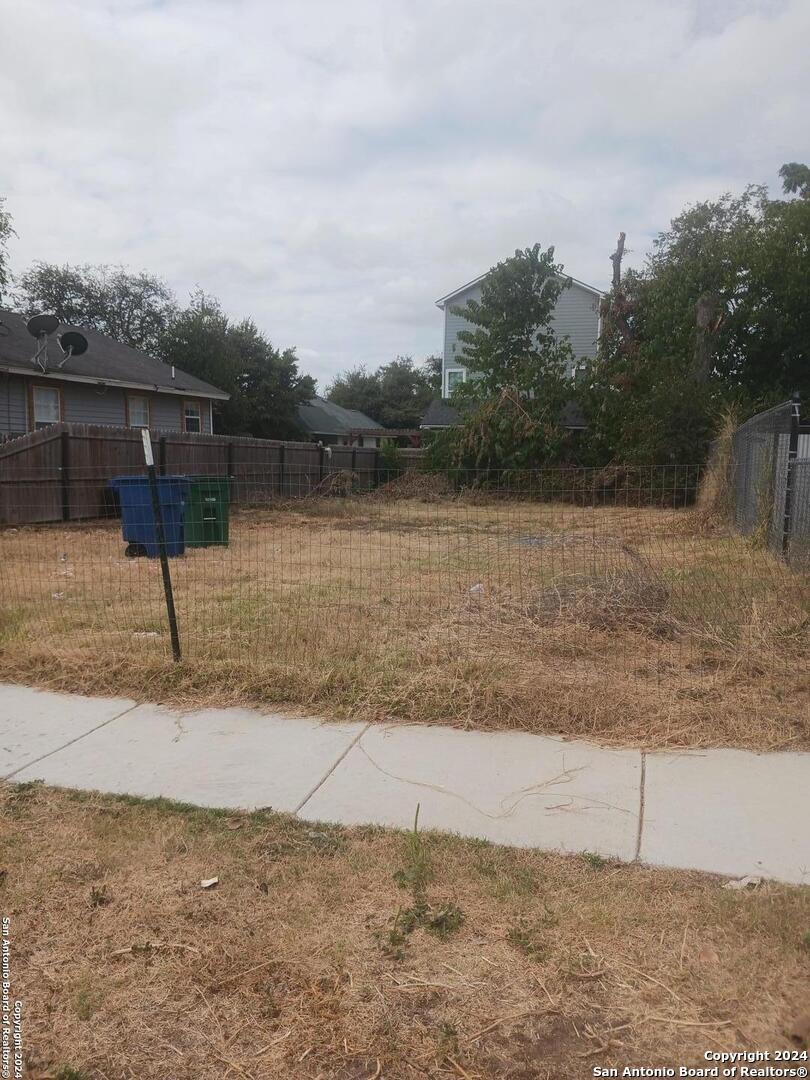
{"x": 352, "y": 954}
{"x": 630, "y": 626}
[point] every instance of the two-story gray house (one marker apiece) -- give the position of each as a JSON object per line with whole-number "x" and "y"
{"x": 109, "y": 383}
{"x": 576, "y": 316}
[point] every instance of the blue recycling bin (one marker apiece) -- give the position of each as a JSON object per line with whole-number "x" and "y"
{"x": 138, "y": 523}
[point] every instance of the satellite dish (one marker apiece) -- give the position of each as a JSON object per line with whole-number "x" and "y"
{"x": 42, "y": 325}
{"x": 73, "y": 343}
{"x": 39, "y": 327}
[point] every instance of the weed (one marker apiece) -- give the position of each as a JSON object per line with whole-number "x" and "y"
{"x": 99, "y": 896}
{"x": 417, "y": 872}
{"x": 21, "y": 796}
{"x": 392, "y": 942}
{"x": 66, "y": 1073}
{"x": 448, "y": 1040}
{"x": 525, "y": 939}
{"x": 596, "y": 862}
{"x": 441, "y": 921}
{"x": 86, "y": 1002}
{"x": 444, "y": 921}
{"x": 326, "y": 841}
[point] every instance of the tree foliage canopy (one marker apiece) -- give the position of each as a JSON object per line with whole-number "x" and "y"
{"x": 396, "y": 394}
{"x": 718, "y": 315}
{"x": 6, "y": 232}
{"x": 134, "y": 308}
{"x": 264, "y": 383}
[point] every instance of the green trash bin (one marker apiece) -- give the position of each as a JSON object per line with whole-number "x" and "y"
{"x": 207, "y": 511}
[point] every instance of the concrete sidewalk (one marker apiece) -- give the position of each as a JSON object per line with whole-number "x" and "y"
{"x": 726, "y": 811}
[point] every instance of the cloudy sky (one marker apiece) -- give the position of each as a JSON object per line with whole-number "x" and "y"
{"x": 330, "y": 167}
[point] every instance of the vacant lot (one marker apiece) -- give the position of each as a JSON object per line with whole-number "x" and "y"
{"x": 631, "y": 626}
{"x": 356, "y": 954}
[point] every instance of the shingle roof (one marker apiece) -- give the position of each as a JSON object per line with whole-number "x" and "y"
{"x": 106, "y": 361}
{"x": 440, "y": 415}
{"x": 322, "y": 417}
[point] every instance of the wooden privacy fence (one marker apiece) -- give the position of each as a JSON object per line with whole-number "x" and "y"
{"x": 61, "y": 473}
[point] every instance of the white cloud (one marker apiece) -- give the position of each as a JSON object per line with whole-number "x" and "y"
{"x": 331, "y": 169}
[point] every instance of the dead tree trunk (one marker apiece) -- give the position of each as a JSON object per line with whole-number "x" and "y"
{"x": 709, "y": 317}
{"x": 616, "y": 259}
{"x": 616, "y": 308}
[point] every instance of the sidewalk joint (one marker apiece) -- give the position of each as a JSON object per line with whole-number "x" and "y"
{"x": 70, "y": 742}
{"x": 332, "y": 768}
{"x": 642, "y": 794}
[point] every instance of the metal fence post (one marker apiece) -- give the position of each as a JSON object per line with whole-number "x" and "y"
{"x": 161, "y": 540}
{"x": 793, "y": 453}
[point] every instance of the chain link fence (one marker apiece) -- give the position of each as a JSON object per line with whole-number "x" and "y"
{"x": 770, "y": 476}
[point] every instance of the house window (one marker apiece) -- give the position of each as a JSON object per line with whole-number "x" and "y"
{"x": 138, "y": 411}
{"x": 455, "y": 376}
{"x": 47, "y": 406}
{"x": 192, "y": 417}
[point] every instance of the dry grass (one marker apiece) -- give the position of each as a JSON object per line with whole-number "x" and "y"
{"x": 715, "y": 499}
{"x": 360, "y": 954}
{"x": 629, "y": 626}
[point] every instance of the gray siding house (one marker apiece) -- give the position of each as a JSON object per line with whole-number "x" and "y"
{"x": 108, "y": 384}
{"x": 576, "y": 317}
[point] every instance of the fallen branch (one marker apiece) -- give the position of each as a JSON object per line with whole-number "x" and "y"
{"x": 691, "y": 1023}
{"x": 149, "y": 946}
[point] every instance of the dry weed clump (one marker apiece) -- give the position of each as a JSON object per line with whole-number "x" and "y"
{"x": 340, "y": 483}
{"x": 351, "y": 954}
{"x": 612, "y": 588}
{"x": 415, "y": 484}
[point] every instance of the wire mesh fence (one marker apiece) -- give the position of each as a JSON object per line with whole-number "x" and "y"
{"x": 582, "y": 601}
{"x": 771, "y": 480}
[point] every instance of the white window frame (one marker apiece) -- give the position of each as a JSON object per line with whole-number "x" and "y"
{"x": 35, "y": 390}
{"x": 453, "y": 371}
{"x": 198, "y": 406}
{"x": 130, "y": 419}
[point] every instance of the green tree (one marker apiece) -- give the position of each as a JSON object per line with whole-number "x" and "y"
{"x": 513, "y": 343}
{"x": 6, "y": 232}
{"x": 718, "y": 315}
{"x": 264, "y": 383}
{"x": 395, "y": 395}
{"x": 432, "y": 371}
{"x": 134, "y": 308}
{"x": 268, "y": 387}
{"x": 405, "y": 392}
{"x": 795, "y": 179}
{"x": 198, "y": 341}
{"x": 513, "y": 402}
{"x": 357, "y": 389}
